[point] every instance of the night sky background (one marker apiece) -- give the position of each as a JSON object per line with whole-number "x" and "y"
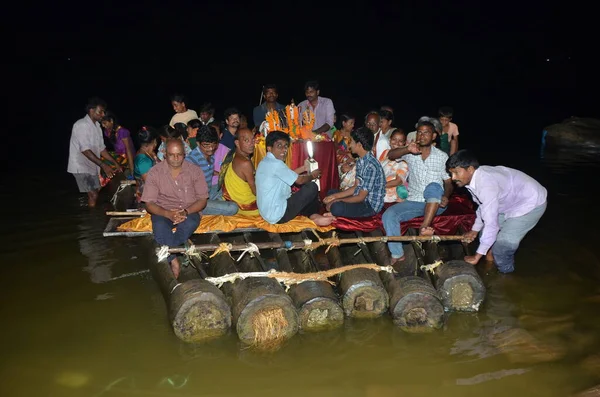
{"x": 507, "y": 68}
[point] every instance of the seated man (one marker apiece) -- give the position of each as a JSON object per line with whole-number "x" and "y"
{"x": 175, "y": 192}
{"x": 204, "y": 157}
{"x": 426, "y": 197}
{"x": 274, "y": 179}
{"x": 237, "y": 174}
{"x": 367, "y": 196}
{"x": 510, "y": 204}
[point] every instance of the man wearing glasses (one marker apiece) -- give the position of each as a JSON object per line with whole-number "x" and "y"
{"x": 429, "y": 186}
{"x": 204, "y": 157}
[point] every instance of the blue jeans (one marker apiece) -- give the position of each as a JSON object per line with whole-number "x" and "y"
{"x": 406, "y": 211}
{"x": 215, "y": 193}
{"x": 162, "y": 228}
{"x": 220, "y": 207}
{"x": 350, "y": 210}
{"x": 512, "y": 231}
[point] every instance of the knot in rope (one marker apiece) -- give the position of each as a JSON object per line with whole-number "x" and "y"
{"x": 308, "y": 244}
{"x": 252, "y": 249}
{"x": 191, "y": 251}
{"x": 113, "y": 200}
{"x": 431, "y": 267}
{"x": 163, "y": 253}
{"x": 223, "y": 247}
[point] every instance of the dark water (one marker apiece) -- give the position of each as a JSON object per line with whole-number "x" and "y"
{"x": 69, "y": 328}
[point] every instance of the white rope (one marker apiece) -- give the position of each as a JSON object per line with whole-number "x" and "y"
{"x": 191, "y": 251}
{"x": 175, "y": 287}
{"x": 163, "y": 253}
{"x": 252, "y": 249}
{"x": 113, "y": 200}
{"x": 431, "y": 268}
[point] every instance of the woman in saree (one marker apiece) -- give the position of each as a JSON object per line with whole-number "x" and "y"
{"x": 118, "y": 140}
{"x": 344, "y": 158}
{"x": 396, "y": 171}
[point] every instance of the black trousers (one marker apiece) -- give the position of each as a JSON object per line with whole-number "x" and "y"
{"x": 304, "y": 202}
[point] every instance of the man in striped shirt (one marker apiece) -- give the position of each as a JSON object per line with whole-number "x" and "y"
{"x": 204, "y": 157}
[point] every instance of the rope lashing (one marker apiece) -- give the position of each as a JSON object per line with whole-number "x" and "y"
{"x": 252, "y": 249}
{"x": 431, "y": 267}
{"x": 191, "y": 251}
{"x": 163, "y": 253}
{"x": 113, "y": 200}
{"x": 223, "y": 247}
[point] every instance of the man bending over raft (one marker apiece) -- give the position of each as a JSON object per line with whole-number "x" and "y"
{"x": 510, "y": 204}
{"x": 426, "y": 196}
{"x": 175, "y": 192}
{"x": 274, "y": 180}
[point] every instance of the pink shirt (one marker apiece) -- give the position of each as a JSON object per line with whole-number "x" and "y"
{"x": 220, "y": 154}
{"x": 452, "y": 131}
{"x": 502, "y": 190}
{"x": 324, "y": 111}
{"x": 179, "y": 193}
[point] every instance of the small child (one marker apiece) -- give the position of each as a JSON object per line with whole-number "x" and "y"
{"x": 449, "y": 137}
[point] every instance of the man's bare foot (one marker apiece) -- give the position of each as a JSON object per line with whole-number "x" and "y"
{"x": 321, "y": 220}
{"x": 398, "y": 261}
{"x": 427, "y": 231}
{"x": 175, "y": 268}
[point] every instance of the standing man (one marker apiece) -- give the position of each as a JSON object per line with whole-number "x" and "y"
{"x": 232, "y": 123}
{"x": 270, "y": 94}
{"x": 207, "y": 112}
{"x": 86, "y": 151}
{"x": 175, "y": 192}
{"x": 510, "y": 204}
{"x": 429, "y": 186}
{"x": 322, "y": 108}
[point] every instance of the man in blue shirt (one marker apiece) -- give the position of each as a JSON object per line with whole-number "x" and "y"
{"x": 274, "y": 181}
{"x": 204, "y": 157}
{"x": 270, "y": 94}
{"x": 367, "y": 195}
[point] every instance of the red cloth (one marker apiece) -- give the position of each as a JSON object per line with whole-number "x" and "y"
{"x": 324, "y": 154}
{"x": 460, "y": 212}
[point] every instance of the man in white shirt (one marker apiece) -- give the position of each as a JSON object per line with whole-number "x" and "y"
{"x": 86, "y": 151}
{"x": 182, "y": 113}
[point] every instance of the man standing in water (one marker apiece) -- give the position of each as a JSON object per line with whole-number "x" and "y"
{"x": 510, "y": 204}
{"x": 175, "y": 192}
{"x": 86, "y": 151}
{"x": 322, "y": 107}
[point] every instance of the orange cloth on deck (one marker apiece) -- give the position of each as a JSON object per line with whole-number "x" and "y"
{"x": 221, "y": 223}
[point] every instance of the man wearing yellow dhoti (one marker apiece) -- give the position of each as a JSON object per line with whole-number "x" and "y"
{"x": 237, "y": 174}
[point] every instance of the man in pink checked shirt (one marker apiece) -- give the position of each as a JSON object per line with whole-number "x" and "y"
{"x": 510, "y": 204}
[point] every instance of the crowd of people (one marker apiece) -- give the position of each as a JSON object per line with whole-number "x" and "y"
{"x": 196, "y": 165}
